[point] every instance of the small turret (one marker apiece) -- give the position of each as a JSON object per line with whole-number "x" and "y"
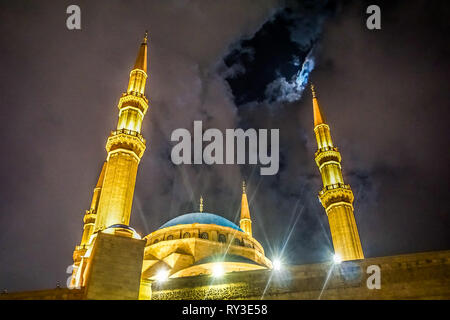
{"x": 245, "y": 222}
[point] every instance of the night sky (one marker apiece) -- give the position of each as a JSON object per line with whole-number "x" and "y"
{"x": 385, "y": 94}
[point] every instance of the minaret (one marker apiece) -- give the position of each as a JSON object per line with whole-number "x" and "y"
{"x": 113, "y": 194}
{"x": 89, "y": 221}
{"x": 336, "y": 197}
{"x": 245, "y": 223}
{"x": 125, "y": 147}
{"x": 89, "y": 217}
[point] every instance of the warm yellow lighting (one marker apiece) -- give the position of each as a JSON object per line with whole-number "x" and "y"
{"x": 113, "y": 195}
{"x": 336, "y": 197}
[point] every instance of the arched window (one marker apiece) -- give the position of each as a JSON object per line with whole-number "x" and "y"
{"x": 156, "y": 241}
{"x": 204, "y": 235}
{"x": 237, "y": 242}
{"x": 222, "y": 238}
{"x": 186, "y": 235}
{"x": 170, "y": 237}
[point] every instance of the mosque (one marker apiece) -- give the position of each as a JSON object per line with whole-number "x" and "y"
{"x": 202, "y": 255}
{"x": 196, "y": 243}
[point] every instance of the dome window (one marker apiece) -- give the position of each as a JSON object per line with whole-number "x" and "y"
{"x": 222, "y": 238}
{"x": 204, "y": 235}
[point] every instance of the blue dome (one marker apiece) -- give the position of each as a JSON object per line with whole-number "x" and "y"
{"x": 202, "y": 218}
{"x": 123, "y": 226}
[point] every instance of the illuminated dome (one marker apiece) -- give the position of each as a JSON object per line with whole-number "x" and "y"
{"x": 195, "y": 243}
{"x": 201, "y": 218}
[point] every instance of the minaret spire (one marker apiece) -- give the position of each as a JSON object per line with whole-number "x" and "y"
{"x": 336, "y": 197}
{"x": 145, "y": 36}
{"x": 245, "y": 222}
{"x": 318, "y": 117}
{"x": 201, "y": 204}
{"x": 141, "y": 59}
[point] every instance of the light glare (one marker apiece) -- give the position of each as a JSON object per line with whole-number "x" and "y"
{"x": 276, "y": 265}
{"x": 337, "y": 259}
{"x": 218, "y": 271}
{"x": 162, "y": 275}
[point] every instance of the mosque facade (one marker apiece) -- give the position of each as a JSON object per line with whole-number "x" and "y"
{"x": 202, "y": 255}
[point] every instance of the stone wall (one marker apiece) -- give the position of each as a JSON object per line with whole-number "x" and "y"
{"x": 50, "y": 294}
{"x": 411, "y": 276}
{"x": 114, "y": 269}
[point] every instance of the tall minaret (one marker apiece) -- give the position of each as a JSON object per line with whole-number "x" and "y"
{"x": 245, "y": 222}
{"x": 89, "y": 221}
{"x": 125, "y": 147}
{"x": 336, "y": 197}
{"x": 113, "y": 194}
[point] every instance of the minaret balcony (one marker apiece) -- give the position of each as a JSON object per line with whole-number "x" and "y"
{"x": 126, "y": 139}
{"x": 334, "y": 193}
{"x": 134, "y": 99}
{"x": 327, "y": 154}
{"x": 89, "y": 217}
{"x": 324, "y": 149}
{"x": 128, "y": 132}
{"x": 335, "y": 186}
{"x": 78, "y": 253}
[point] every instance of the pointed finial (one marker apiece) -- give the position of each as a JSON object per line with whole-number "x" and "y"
{"x": 313, "y": 91}
{"x": 201, "y": 204}
{"x": 145, "y": 36}
{"x": 243, "y": 187}
{"x": 318, "y": 117}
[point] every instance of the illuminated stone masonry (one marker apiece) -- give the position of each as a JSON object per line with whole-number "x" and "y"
{"x": 411, "y": 276}
{"x": 423, "y": 275}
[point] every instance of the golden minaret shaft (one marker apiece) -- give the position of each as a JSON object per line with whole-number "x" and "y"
{"x": 245, "y": 223}
{"x": 336, "y": 197}
{"x": 125, "y": 147}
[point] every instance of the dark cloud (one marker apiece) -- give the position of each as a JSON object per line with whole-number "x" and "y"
{"x": 274, "y": 64}
{"x": 385, "y": 94}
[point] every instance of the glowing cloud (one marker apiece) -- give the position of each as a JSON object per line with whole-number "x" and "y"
{"x": 282, "y": 90}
